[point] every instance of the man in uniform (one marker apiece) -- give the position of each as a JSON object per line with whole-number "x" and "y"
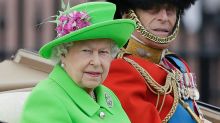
{"x": 153, "y": 84}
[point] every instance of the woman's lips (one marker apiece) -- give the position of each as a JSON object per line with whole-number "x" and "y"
{"x": 93, "y": 74}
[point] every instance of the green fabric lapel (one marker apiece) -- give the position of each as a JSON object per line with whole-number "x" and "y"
{"x": 78, "y": 95}
{"x": 103, "y": 97}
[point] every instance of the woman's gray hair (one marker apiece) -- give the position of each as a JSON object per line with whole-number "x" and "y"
{"x": 63, "y": 49}
{"x": 114, "y": 49}
{"x": 60, "y": 50}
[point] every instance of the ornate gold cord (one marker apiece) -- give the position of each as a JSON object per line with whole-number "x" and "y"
{"x": 170, "y": 86}
{"x": 186, "y": 106}
{"x": 159, "y": 88}
{"x": 175, "y": 103}
{"x": 121, "y": 53}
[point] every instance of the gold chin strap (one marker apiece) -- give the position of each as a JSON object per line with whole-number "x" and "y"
{"x": 150, "y": 35}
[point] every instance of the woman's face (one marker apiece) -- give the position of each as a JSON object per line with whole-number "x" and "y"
{"x": 88, "y": 62}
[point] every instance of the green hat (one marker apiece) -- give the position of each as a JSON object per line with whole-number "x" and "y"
{"x": 96, "y": 22}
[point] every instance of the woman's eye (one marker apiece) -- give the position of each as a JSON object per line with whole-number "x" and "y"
{"x": 87, "y": 50}
{"x": 104, "y": 52}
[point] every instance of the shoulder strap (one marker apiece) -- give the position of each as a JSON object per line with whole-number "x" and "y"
{"x": 178, "y": 62}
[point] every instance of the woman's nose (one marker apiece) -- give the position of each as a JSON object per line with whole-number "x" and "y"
{"x": 95, "y": 60}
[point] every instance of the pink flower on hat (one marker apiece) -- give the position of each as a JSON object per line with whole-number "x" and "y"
{"x": 72, "y": 22}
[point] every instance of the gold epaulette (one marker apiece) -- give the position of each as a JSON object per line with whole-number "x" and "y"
{"x": 121, "y": 53}
{"x": 168, "y": 52}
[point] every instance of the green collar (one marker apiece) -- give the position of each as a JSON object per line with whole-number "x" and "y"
{"x": 78, "y": 95}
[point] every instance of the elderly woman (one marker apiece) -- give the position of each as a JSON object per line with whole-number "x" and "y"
{"x": 88, "y": 39}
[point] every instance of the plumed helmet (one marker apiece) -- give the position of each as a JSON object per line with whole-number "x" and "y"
{"x": 124, "y": 5}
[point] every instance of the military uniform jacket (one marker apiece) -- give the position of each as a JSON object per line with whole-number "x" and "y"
{"x": 137, "y": 99}
{"x": 59, "y": 100}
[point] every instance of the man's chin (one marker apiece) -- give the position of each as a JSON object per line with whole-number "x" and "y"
{"x": 161, "y": 34}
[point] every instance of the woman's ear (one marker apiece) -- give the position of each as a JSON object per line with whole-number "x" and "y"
{"x": 62, "y": 57}
{"x": 62, "y": 60}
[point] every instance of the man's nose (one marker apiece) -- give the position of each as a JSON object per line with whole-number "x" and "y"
{"x": 162, "y": 15}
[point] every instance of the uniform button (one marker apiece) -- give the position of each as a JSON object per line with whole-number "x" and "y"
{"x": 102, "y": 115}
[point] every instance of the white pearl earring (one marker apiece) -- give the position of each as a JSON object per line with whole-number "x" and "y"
{"x": 62, "y": 65}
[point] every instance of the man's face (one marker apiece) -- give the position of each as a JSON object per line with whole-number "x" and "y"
{"x": 158, "y": 20}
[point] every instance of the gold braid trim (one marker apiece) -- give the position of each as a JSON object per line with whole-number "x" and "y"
{"x": 121, "y": 53}
{"x": 150, "y": 81}
{"x": 175, "y": 103}
{"x": 170, "y": 86}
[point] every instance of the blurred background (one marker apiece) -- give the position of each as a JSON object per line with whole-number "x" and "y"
{"x": 198, "y": 42}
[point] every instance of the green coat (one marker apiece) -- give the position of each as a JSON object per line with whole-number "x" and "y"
{"x": 59, "y": 100}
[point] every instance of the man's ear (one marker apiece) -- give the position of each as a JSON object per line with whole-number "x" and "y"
{"x": 125, "y": 15}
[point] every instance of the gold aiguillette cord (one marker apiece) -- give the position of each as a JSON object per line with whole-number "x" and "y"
{"x": 193, "y": 114}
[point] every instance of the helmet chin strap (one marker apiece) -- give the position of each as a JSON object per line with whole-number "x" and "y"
{"x": 145, "y": 33}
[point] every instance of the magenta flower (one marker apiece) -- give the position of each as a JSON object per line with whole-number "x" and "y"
{"x": 72, "y": 22}
{"x": 63, "y": 18}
